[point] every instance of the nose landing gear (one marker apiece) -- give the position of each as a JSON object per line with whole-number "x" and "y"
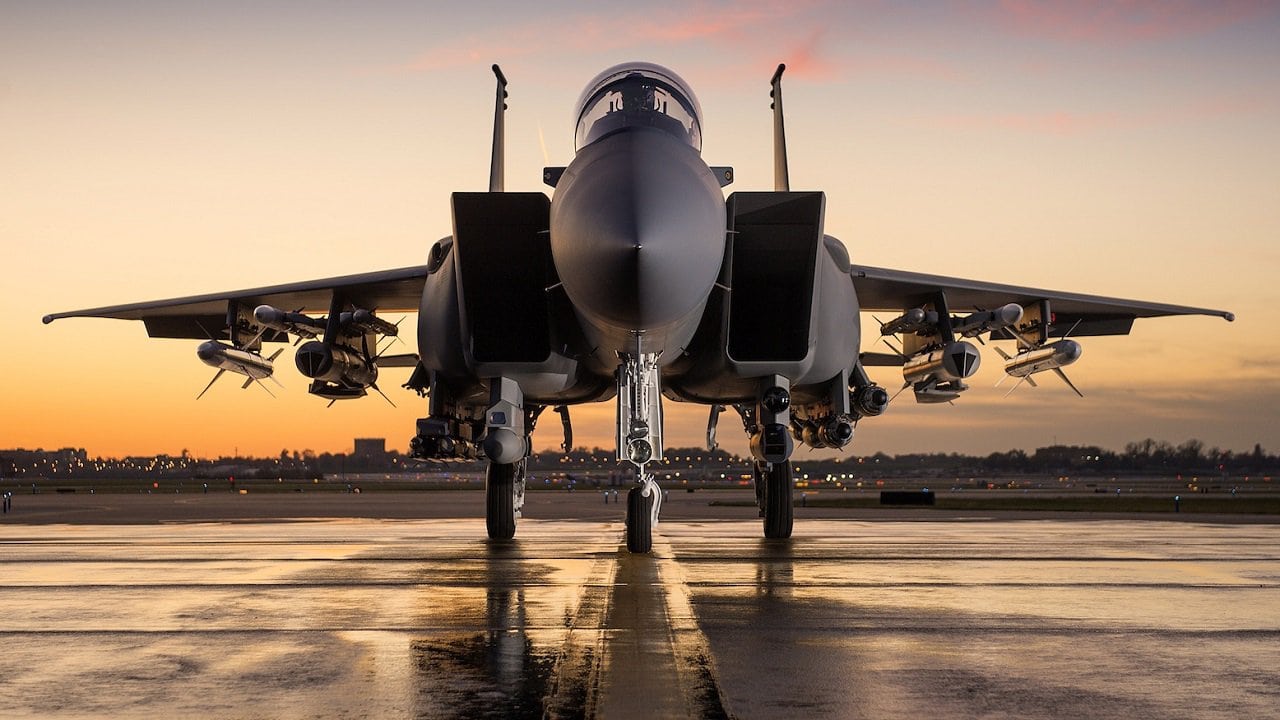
{"x": 640, "y": 442}
{"x": 643, "y": 505}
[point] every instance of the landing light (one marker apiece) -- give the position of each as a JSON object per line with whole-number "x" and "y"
{"x": 639, "y": 451}
{"x": 776, "y": 399}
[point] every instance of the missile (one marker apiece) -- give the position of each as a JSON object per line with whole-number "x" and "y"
{"x": 987, "y": 320}
{"x": 833, "y": 432}
{"x": 870, "y": 400}
{"x": 364, "y": 321}
{"x": 1053, "y": 356}
{"x": 244, "y": 362}
{"x": 1048, "y": 357}
{"x": 912, "y": 320}
{"x": 955, "y": 361}
{"x": 287, "y": 322}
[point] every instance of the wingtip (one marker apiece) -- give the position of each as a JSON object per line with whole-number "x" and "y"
{"x": 47, "y": 319}
{"x": 1229, "y": 316}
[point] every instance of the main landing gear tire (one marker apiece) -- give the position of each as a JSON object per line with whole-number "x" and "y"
{"x": 639, "y": 521}
{"x": 499, "y": 500}
{"x": 777, "y": 505}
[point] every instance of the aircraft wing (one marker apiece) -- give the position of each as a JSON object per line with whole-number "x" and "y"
{"x": 897, "y": 290}
{"x": 397, "y": 290}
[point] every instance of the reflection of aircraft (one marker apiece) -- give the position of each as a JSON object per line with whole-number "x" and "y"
{"x": 641, "y": 281}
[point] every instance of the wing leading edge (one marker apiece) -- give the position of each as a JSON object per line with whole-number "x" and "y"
{"x": 895, "y": 290}
{"x": 398, "y": 290}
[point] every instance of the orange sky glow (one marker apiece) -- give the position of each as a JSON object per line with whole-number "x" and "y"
{"x": 153, "y": 150}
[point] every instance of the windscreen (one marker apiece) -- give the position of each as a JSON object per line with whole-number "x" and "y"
{"x": 638, "y": 95}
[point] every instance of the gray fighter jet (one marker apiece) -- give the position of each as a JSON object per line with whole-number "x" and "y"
{"x": 640, "y": 282}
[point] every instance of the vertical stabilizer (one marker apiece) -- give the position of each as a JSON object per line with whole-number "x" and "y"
{"x": 499, "y": 107}
{"x": 781, "y": 179}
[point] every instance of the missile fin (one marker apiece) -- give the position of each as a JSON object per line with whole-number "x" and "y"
{"x": 257, "y": 338}
{"x": 384, "y": 395}
{"x": 1015, "y": 386}
{"x": 211, "y": 382}
{"x": 1031, "y": 381}
{"x": 1067, "y": 380}
{"x": 261, "y": 385}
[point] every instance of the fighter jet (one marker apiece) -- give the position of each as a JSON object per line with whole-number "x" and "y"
{"x": 639, "y": 282}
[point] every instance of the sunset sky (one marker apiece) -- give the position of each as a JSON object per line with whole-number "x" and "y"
{"x": 156, "y": 149}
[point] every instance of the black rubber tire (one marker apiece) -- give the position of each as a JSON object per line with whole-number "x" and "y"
{"x": 639, "y": 521}
{"x": 499, "y": 500}
{"x": 778, "y": 513}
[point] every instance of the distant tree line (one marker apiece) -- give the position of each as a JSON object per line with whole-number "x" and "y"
{"x": 1147, "y": 457}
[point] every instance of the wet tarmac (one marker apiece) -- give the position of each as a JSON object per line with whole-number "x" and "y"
{"x": 365, "y": 618}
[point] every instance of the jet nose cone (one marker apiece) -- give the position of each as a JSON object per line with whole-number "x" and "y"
{"x": 637, "y": 230}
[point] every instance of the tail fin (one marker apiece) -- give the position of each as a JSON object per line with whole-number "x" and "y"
{"x": 781, "y": 178}
{"x": 497, "y": 161}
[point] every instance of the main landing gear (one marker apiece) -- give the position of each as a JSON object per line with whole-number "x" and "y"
{"x": 767, "y": 423}
{"x": 773, "y": 496}
{"x": 504, "y": 485}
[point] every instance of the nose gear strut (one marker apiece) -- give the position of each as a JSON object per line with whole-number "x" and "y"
{"x": 640, "y": 442}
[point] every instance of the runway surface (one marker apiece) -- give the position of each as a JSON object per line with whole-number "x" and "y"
{"x": 957, "y": 618}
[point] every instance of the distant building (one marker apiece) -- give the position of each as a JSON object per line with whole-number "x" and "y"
{"x": 20, "y": 461}
{"x": 370, "y": 448}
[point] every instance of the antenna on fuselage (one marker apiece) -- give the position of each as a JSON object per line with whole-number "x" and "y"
{"x": 781, "y": 179}
{"x": 499, "y": 106}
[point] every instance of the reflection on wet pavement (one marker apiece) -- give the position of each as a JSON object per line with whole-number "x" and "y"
{"x": 421, "y": 618}
{"x": 992, "y": 619}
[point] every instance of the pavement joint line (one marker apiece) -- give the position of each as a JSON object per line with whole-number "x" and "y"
{"x": 699, "y": 683}
{"x": 576, "y": 675}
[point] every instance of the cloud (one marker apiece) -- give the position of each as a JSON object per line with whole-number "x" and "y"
{"x": 1074, "y": 123}
{"x": 810, "y": 36}
{"x": 736, "y": 24}
{"x": 1110, "y": 22}
{"x": 805, "y": 59}
{"x": 1060, "y": 122}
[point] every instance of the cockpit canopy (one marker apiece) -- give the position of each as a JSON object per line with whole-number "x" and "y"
{"x": 638, "y": 94}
